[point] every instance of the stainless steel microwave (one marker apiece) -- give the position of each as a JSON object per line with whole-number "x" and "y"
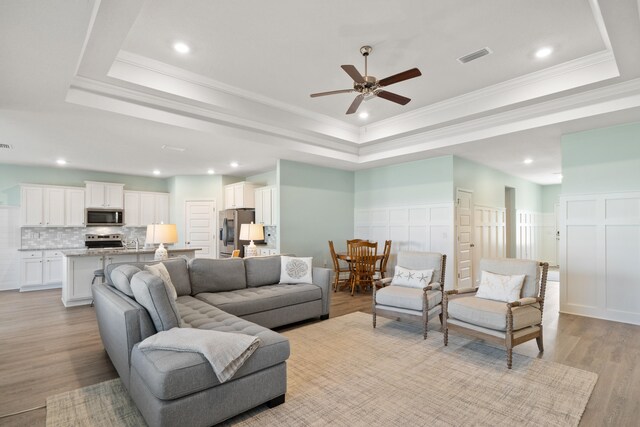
{"x": 112, "y": 217}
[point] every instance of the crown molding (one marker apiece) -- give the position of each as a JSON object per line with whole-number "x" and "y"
{"x": 110, "y": 97}
{"x": 603, "y": 100}
{"x": 578, "y": 72}
{"x": 128, "y": 65}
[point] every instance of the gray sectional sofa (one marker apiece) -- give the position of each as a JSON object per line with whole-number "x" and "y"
{"x": 233, "y": 295}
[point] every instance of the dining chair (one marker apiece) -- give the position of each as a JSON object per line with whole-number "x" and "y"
{"x": 352, "y": 241}
{"x": 362, "y": 262}
{"x": 381, "y": 269}
{"x": 505, "y": 308}
{"x": 339, "y": 270}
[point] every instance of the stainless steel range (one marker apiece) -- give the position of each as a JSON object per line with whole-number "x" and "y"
{"x": 104, "y": 241}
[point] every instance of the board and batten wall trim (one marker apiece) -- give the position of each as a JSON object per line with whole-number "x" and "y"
{"x": 9, "y": 245}
{"x": 411, "y": 228}
{"x": 600, "y": 256}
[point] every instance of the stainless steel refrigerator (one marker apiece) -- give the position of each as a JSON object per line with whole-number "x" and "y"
{"x": 230, "y": 222}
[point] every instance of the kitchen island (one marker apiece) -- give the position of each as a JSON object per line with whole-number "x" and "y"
{"x": 79, "y": 266}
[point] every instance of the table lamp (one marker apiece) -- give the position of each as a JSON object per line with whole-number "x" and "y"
{"x": 251, "y": 232}
{"x": 161, "y": 233}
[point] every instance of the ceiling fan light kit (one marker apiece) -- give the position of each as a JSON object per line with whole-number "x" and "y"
{"x": 368, "y": 86}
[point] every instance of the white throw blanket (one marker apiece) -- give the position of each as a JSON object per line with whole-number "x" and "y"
{"x": 226, "y": 351}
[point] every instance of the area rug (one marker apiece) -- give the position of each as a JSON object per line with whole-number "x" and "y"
{"x": 344, "y": 372}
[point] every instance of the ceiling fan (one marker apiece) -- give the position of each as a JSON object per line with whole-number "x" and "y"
{"x": 368, "y": 86}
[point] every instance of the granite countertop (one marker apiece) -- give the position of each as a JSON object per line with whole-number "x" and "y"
{"x": 99, "y": 252}
{"x": 52, "y": 249}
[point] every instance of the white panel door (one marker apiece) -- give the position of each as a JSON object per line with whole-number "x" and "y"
{"x": 464, "y": 235}
{"x": 200, "y": 227}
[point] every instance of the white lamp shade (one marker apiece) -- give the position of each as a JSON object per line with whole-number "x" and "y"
{"x": 161, "y": 233}
{"x": 251, "y": 232}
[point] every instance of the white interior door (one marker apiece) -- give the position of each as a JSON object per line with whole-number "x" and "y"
{"x": 200, "y": 227}
{"x": 464, "y": 235}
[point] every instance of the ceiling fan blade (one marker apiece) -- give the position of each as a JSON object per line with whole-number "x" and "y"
{"x": 393, "y": 97}
{"x": 353, "y": 73}
{"x": 355, "y": 104}
{"x": 333, "y": 92}
{"x": 405, "y": 75}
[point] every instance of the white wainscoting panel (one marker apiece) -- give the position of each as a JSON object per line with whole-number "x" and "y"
{"x": 411, "y": 228}
{"x": 529, "y": 235}
{"x": 9, "y": 245}
{"x": 489, "y": 234}
{"x": 600, "y": 256}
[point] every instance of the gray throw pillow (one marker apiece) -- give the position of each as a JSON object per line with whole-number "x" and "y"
{"x": 153, "y": 294}
{"x": 121, "y": 278}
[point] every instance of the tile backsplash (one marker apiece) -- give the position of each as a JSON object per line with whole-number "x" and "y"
{"x": 270, "y": 236}
{"x": 73, "y": 237}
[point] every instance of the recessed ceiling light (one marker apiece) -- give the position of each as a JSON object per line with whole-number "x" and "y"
{"x": 156, "y": 172}
{"x": 363, "y": 115}
{"x": 234, "y": 164}
{"x": 543, "y": 52}
{"x": 211, "y": 172}
{"x": 181, "y": 47}
{"x": 528, "y": 161}
{"x": 61, "y": 162}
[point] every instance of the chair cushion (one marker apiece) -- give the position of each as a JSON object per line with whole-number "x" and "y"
{"x": 121, "y": 278}
{"x": 407, "y": 298}
{"x": 255, "y": 300}
{"x": 511, "y": 266}
{"x": 492, "y": 314}
{"x": 153, "y": 293}
{"x": 216, "y": 275}
{"x": 263, "y": 270}
{"x": 171, "y": 374}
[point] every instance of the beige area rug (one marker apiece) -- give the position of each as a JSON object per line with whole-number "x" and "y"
{"x": 343, "y": 372}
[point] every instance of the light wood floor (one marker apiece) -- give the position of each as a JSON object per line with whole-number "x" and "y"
{"x": 46, "y": 349}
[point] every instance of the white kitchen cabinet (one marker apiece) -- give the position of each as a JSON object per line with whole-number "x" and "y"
{"x": 239, "y": 195}
{"x": 104, "y": 195}
{"x": 142, "y": 208}
{"x": 42, "y": 206}
{"x": 74, "y": 207}
{"x": 40, "y": 270}
{"x": 266, "y": 203}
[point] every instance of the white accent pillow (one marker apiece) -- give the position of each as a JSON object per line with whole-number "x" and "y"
{"x": 161, "y": 271}
{"x": 295, "y": 270}
{"x": 411, "y": 278}
{"x": 499, "y": 287}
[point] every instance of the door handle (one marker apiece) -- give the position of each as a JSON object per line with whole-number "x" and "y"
{"x": 472, "y": 245}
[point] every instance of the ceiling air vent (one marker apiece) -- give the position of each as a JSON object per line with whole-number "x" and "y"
{"x": 6, "y": 146}
{"x": 475, "y": 55}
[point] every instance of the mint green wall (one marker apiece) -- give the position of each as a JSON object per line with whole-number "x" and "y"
{"x": 267, "y": 178}
{"x": 192, "y": 187}
{"x": 13, "y": 175}
{"x": 316, "y": 205}
{"x": 411, "y": 183}
{"x": 602, "y": 160}
{"x": 550, "y": 197}
{"x": 488, "y": 186}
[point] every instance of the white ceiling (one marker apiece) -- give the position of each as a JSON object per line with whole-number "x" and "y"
{"x": 99, "y": 84}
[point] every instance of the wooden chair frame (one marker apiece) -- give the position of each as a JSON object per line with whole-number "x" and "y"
{"x": 509, "y": 341}
{"x": 338, "y": 269}
{"x": 362, "y": 262}
{"x": 425, "y": 302}
{"x": 382, "y": 269}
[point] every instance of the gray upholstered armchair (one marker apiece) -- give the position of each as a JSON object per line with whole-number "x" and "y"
{"x": 507, "y": 323}
{"x": 423, "y": 301}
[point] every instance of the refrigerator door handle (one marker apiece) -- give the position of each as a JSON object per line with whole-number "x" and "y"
{"x": 223, "y": 231}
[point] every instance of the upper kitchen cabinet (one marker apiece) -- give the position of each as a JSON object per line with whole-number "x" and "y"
{"x": 42, "y": 206}
{"x": 266, "y": 201}
{"x": 74, "y": 207}
{"x": 239, "y": 195}
{"x": 104, "y": 195}
{"x": 142, "y": 208}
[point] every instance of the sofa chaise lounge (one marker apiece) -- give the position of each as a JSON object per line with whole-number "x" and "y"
{"x": 232, "y": 295}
